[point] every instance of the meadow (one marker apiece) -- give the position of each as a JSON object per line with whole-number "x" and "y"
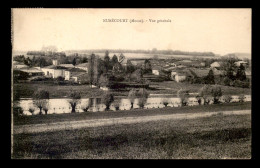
{"x": 26, "y": 90}
{"x": 215, "y": 137}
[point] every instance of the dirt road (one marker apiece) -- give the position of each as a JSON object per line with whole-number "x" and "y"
{"x": 67, "y": 125}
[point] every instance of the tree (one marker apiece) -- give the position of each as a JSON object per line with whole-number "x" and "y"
{"x": 84, "y": 60}
{"x": 131, "y": 97}
{"x": 107, "y": 99}
{"x": 216, "y": 92}
{"x": 106, "y": 62}
{"x": 31, "y": 110}
{"x": 74, "y": 61}
{"x": 165, "y": 102}
{"x": 103, "y": 81}
{"x": 209, "y": 79}
{"x": 241, "y": 74}
{"x": 41, "y": 99}
{"x": 147, "y": 66}
{"x": 74, "y": 99}
{"x": 142, "y": 94}
{"x": 114, "y": 60}
{"x": 93, "y": 69}
{"x": 130, "y": 68}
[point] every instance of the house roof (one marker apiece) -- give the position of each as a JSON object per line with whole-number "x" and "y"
{"x": 200, "y": 72}
{"x": 66, "y": 65}
{"x": 76, "y": 70}
{"x": 136, "y": 62}
{"x": 215, "y": 64}
{"x": 54, "y": 67}
{"x": 31, "y": 70}
{"x": 77, "y": 74}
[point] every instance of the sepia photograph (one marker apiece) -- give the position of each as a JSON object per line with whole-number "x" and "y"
{"x": 131, "y": 83}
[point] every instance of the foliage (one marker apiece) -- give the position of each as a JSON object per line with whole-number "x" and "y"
{"x": 226, "y": 98}
{"x": 165, "y": 102}
{"x": 40, "y": 99}
{"x": 241, "y": 74}
{"x": 107, "y": 99}
{"x": 31, "y": 110}
{"x": 131, "y": 96}
{"x": 147, "y": 66}
{"x": 74, "y": 99}
{"x": 114, "y": 60}
{"x": 103, "y": 81}
{"x": 209, "y": 79}
{"x": 216, "y": 92}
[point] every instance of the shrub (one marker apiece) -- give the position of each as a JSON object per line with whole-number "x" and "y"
{"x": 242, "y": 84}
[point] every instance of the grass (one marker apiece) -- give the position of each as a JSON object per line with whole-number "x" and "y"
{"x": 37, "y": 119}
{"x": 216, "y": 137}
{"x": 26, "y": 90}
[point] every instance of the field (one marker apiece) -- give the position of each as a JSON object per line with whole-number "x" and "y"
{"x": 40, "y": 119}
{"x": 216, "y": 137}
{"x": 167, "y": 87}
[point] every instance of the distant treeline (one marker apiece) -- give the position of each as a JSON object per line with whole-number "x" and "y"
{"x": 46, "y": 53}
{"x": 154, "y": 51}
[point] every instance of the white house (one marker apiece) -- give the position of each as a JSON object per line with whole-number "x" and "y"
{"x": 53, "y": 71}
{"x": 180, "y": 77}
{"x": 238, "y": 63}
{"x": 155, "y": 71}
{"x": 83, "y": 66}
{"x": 215, "y": 65}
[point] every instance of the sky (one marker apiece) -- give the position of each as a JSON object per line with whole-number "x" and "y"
{"x": 220, "y": 31}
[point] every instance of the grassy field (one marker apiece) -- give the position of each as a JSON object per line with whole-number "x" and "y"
{"x": 216, "y": 137}
{"x": 167, "y": 87}
{"x": 38, "y": 119}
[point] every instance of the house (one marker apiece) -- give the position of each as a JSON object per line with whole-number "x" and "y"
{"x": 138, "y": 62}
{"x": 83, "y": 66}
{"x": 75, "y": 74}
{"x": 180, "y": 77}
{"x": 55, "y": 62}
{"x": 215, "y": 65}
{"x": 238, "y": 63}
{"x": 156, "y": 70}
{"x": 32, "y": 71}
{"x": 67, "y": 65}
{"x": 122, "y": 60}
{"x": 17, "y": 65}
{"x": 54, "y": 71}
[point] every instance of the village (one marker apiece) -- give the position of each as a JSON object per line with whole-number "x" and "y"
{"x": 171, "y": 82}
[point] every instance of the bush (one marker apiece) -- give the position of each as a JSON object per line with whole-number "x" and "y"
{"x": 242, "y": 84}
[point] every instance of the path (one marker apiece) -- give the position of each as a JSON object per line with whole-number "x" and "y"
{"x": 67, "y": 125}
